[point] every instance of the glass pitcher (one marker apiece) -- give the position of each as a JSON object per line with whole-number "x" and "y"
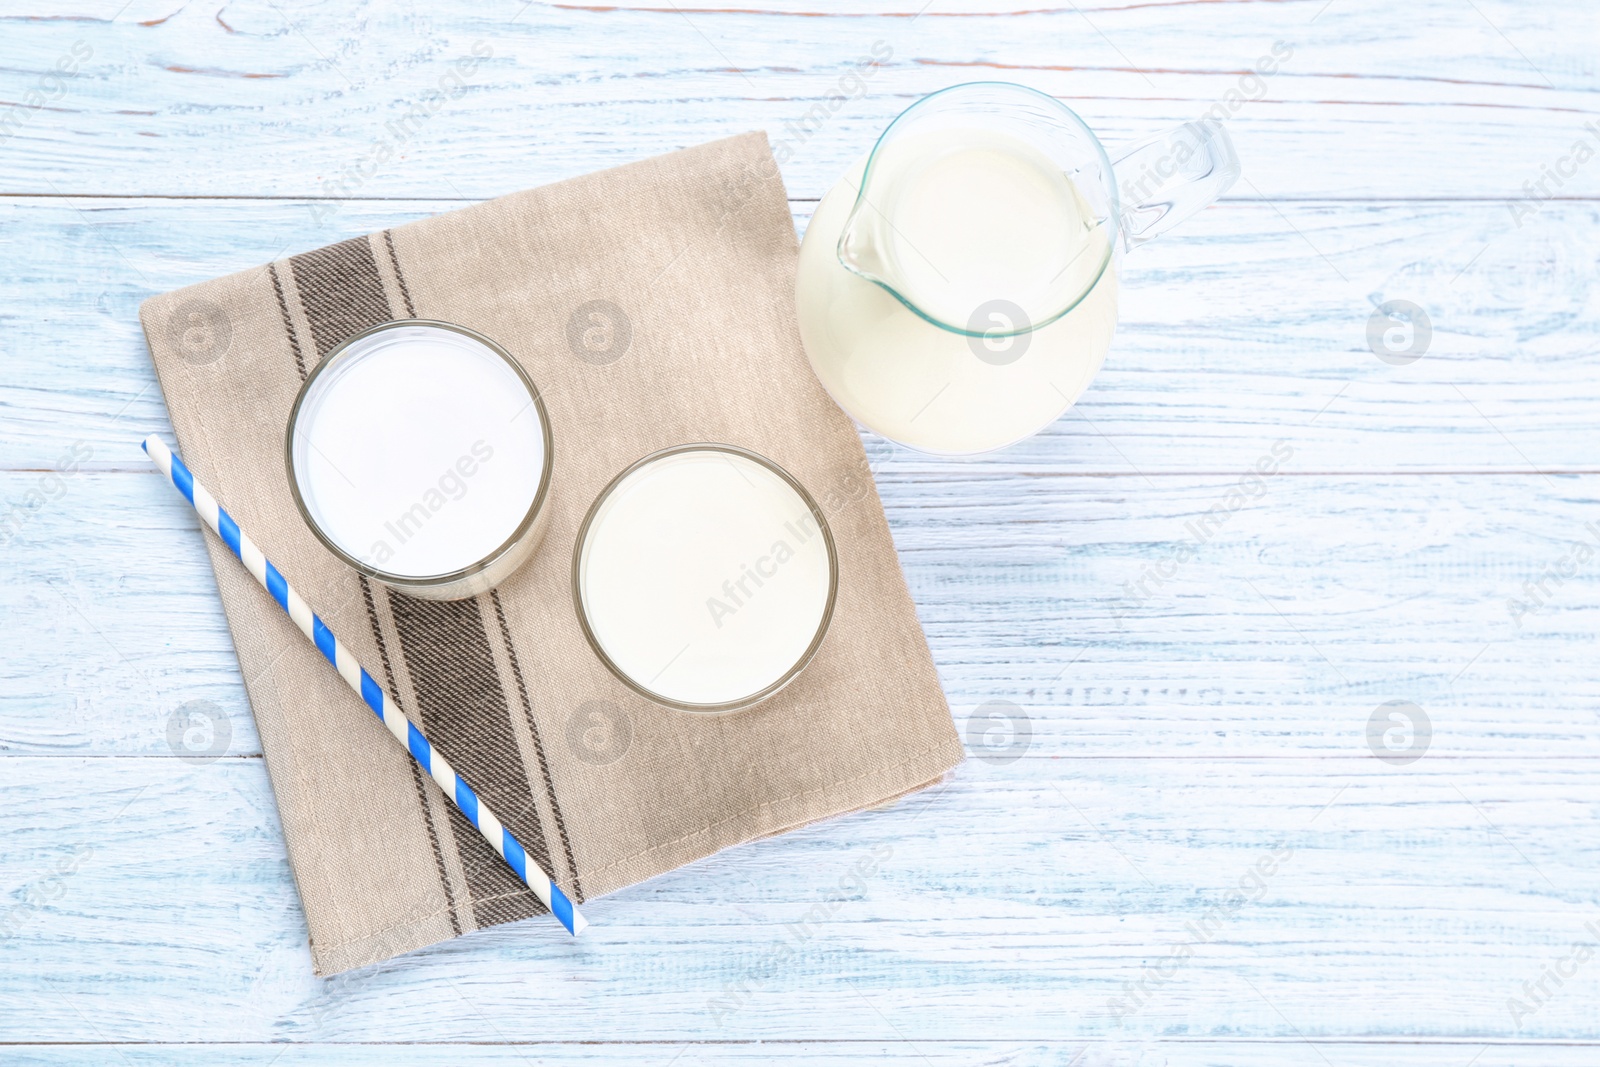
{"x": 957, "y": 289}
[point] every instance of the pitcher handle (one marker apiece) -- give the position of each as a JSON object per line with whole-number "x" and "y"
{"x": 1166, "y": 178}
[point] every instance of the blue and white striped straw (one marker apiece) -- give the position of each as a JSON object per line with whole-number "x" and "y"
{"x": 404, "y": 731}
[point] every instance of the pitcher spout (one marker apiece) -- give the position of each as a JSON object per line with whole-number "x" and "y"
{"x": 862, "y": 248}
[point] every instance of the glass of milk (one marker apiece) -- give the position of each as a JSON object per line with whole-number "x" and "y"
{"x": 705, "y": 577}
{"x": 419, "y": 453}
{"x": 957, "y": 289}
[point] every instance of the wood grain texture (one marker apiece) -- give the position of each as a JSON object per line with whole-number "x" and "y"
{"x": 1420, "y": 542}
{"x": 259, "y": 99}
{"x": 924, "y": 1053}
{"x": 1014, "y": 903}
{"x": 1247, "y": 326}
{"x": 1315, "y": 602}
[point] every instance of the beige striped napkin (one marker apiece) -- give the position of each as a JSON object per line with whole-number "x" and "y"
{"x": 653, "y": 305}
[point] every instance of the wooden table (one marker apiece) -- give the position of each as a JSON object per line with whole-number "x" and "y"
{"x": 1155, "y": 745}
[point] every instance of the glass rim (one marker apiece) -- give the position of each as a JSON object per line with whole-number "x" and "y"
{"x": 1073, "y": 119}
{"x": 823, "y": 623}
{"x": 426, "y": 581}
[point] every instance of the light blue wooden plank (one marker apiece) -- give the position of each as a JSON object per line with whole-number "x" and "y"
{"x": 1105, "y": 1053}
{"x": 1014, "y": 904}
{"x": 1249, "y": 326}
{"x": 1307, "y": 609}
{"x": 1450, "y": 100}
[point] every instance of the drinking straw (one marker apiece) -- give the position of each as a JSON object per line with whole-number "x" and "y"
{"x": 403, "y": 729}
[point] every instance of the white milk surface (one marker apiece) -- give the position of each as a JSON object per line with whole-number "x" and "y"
{"x": 704, "y": 577}
{"x": 421, "y": 454}
{"x": 975, "y": 215}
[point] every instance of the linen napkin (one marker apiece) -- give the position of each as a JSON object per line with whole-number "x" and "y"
{"x": 653, "y": 305}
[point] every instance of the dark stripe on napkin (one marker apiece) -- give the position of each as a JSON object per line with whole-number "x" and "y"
{"x": 416, "y": 772}
{"x": 444, "y": 646}
{"x": 464, "y": 712}
{"x": 325, "y": 265}
{"x": 538, "y": 742}
{"x": 341, "y": 291}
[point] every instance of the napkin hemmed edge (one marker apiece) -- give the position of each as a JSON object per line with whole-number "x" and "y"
{"x": 381, "y": 945}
